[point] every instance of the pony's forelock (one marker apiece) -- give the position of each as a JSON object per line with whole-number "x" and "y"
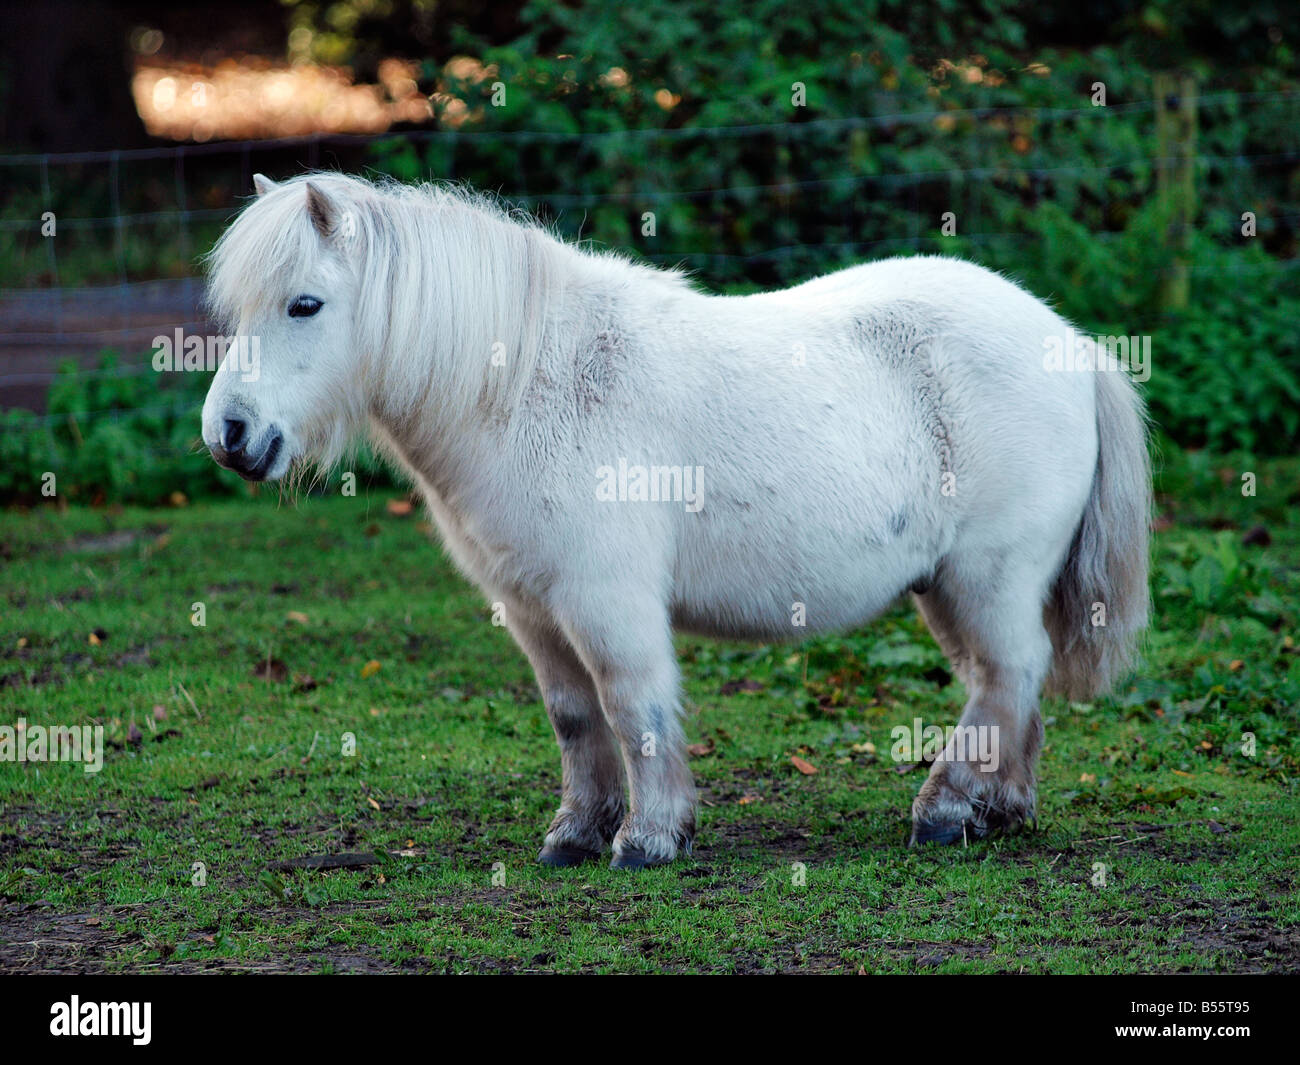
{"x": 271, "y": 246}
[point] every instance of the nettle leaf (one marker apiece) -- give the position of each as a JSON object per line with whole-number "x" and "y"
{"x": 907, "y": 654}
{"x": 1225, "y": 552}
{"x": 1205, "y": 579}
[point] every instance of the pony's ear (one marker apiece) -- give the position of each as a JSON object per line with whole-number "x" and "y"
{"x": 323, "y": 213}
{"x": 262, "y": 184}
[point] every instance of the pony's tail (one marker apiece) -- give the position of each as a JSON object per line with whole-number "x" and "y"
{"x": 1099, "y": 604}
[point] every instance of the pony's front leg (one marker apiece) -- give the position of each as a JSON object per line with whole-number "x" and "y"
{"x": 591, "y": 800}
{"x": 626, "y": 643}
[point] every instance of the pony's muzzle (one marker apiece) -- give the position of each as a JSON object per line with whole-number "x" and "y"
{"x": 236, "y": 451}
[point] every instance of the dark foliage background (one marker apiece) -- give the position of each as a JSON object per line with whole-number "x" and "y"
{"x": 683, "y": 108}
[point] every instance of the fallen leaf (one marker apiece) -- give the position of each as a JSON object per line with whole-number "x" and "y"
{"x": 298, "y": 616}
{"x": 271, "y": 669}
{"x": 160, "y": 713}
{"x": 748, "y": 798}
{"x": 399, "y": 508}
{"x": 370, "y": 668}
{"x": 806, "y": 768}
{"x": 1087, "y": 778}
{"x": 1257, "y": 536}
{"x": 373, "y": 803}
{"x": 745, "y": 685}
{"x": 178, "y": 499}
{"x": 1235, "y": 665}
{"x": 700, "y": 750}
{"x": 97, "y": 637}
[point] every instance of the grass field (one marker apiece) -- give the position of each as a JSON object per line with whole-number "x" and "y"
{"x": 1165, "y": 842}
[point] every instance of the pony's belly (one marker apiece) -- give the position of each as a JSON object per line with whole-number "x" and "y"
{"x": 784, "y": 601}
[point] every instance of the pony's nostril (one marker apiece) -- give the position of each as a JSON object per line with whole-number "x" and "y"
{"x": 233, "y": 435}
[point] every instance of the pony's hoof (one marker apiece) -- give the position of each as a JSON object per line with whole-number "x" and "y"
{"x": 942, "y": 832}
{"x": 561, "y": 857}
{"x": 635, "y": 858}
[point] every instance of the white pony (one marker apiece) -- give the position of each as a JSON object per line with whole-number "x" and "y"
{"x": 611, "y": 454}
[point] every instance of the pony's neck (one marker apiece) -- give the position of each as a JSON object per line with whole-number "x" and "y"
{"x": 454, "y": 331}
{"x": 451, "y": 375}
{"x": 447, "y": 369}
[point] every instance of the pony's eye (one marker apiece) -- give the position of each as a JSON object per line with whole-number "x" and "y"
{"x": 305, "y": 307}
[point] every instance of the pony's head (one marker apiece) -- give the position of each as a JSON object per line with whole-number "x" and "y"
{"x": 353, "y": 304}
{"x": 285, "y": 285}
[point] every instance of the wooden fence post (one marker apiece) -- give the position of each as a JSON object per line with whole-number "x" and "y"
{"x": 1175, "y": 100}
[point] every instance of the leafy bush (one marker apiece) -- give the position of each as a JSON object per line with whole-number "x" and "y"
{"x": 111, "y": 434}
{"x": 117, "y": 436}
{"x": 685, "y": 109}
{"x": 1227, "y": 370}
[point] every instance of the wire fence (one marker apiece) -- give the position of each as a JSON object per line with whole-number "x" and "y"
{"x": 131, "y": 225}
{"x": 311, "y": 148}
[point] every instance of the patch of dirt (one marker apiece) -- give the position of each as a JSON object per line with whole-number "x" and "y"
{"x": 34, "y": 939}
{"x": 109, "y": 542}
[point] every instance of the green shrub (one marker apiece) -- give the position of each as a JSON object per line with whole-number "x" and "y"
{"x": 114, "y": 436}
{"x": 913, "y": 108}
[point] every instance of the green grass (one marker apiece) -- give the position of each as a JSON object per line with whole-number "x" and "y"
{"x": 455, "y": 766}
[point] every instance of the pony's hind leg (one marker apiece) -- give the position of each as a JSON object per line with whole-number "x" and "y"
{"x": 591, "y": 801}
{"x": 984, "y": 781}
{"x": 941, "y": 616}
